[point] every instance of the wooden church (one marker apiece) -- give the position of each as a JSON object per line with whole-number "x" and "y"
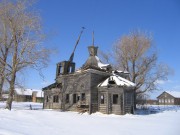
{"x": 92, "y": 88}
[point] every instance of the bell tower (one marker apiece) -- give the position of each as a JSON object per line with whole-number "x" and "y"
{"x": 68, "y": 67}
{"x": 65, "y": 67}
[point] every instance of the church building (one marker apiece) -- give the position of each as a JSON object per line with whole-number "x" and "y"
{"x": 95, "y": 87}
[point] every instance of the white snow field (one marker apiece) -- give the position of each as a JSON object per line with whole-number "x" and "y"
{"x": 23, "y": 121}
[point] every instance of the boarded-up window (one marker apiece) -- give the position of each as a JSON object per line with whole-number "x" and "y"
{"x": 67, "y": 98}
{"x": 56, "y": 99}
{"x": 115, "y": 98}
{"x": 102, "y": 99}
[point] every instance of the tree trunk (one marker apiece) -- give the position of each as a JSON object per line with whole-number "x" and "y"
{"x": 3, "y": 71}
{"x": 1, "y": 86}
{"x": 135, "y": 99}
{"x": 11, "y": 91}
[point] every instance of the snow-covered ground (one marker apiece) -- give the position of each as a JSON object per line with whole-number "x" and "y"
{"x": 23, "y": 121}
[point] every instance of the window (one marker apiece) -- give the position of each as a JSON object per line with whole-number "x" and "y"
{"x": 67, "y": 98}
{"x": 47, "y": 99}
{"x": 169, "y": 100}
{"x": 115, "y": 99}
{"x": 83, "y": 97}
{"x": 56, "y": 99}
{"x": 159, "y": 100}
{"x": 172, "y": 100}
{"x": 162, "y": 100}
{"x": 102, "y": 99}
{"x": 112, "y": 82}
{"x": 60, "y": 69}
{"x": 165, "y": 100}
{"x": 74, "y": 98}
{"x": 78, "y": 98}
{"x": 70, "y": 69}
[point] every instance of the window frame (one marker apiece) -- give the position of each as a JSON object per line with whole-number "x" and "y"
{"x": 74, "y": 98}
{"x": 67, "y": 98}
{"x": 102, "y": 99}
{"x": 115, "y": 99}
{"x": 55, "y": 99}
{"x": 172, "y": 100}
{"x": 83, "y": 96}
{"x": 47, "y": 98}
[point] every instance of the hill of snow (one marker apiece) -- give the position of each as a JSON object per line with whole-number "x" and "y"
{"x": 22, "y": 121}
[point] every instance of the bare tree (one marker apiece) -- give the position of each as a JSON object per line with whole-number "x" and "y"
{"x": 105, "y": 57}
{"x": 136, "y": 54}
{"x": 5, "y": 44}
{"x": 26, "y": 49}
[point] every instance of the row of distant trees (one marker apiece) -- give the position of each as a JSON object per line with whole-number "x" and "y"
{"x": 21, "y": 46}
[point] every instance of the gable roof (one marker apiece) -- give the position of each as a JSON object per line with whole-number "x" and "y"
{"x": 119, "y": 81}
{"x": 175, "y": 94}
{"x": 40, "y": 94}
{"x": 27, "y": 92}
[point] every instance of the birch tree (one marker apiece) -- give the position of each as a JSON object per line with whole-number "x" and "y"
{"x": 26, "y": 49}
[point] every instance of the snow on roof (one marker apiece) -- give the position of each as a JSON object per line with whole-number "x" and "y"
{"x": 175, "y": 94}
{"x": 40, "y": 94}
{"x": 27, "y": 92}
{"x": 20, "y": 91}
{"x": 100, "y": 64}
{"x": 5, "y": 95}
{"x": 118, "y": 80}
{"x": 119, "y": 71}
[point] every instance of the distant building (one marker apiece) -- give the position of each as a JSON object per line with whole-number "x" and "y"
{"x": 28, "y": 95}
{"x": 152, "y": 102}
{"x": 38, "y": 96}
{"x": 23, "y": 95}
{"x": 169, "y": 98}
{"x": 4, "y": 97}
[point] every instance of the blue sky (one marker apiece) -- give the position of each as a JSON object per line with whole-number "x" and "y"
{"x": 109, "y": 19}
